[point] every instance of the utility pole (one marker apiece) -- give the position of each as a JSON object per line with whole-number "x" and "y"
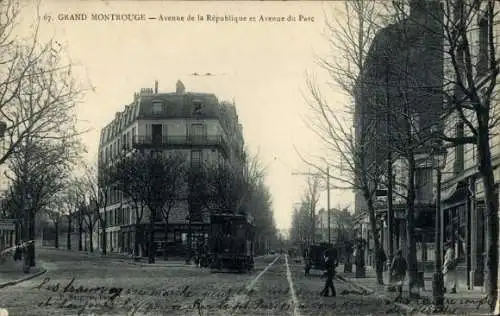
{"x": 390, "y": 210}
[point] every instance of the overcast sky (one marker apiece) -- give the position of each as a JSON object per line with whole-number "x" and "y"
{"x": 261, "y": 65}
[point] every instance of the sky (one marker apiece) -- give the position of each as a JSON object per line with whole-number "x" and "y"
{"x": 260, "y": 65}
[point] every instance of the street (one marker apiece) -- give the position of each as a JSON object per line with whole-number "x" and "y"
{"x": 76, "y": 284}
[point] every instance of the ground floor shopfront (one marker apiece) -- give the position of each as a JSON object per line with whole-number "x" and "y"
{"x": 423, "y": 232}
{"x": 465, "y": 227}
{"x": 122, "y": 239}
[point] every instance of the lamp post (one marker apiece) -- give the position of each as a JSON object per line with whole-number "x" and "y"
{"x": 439, "y": 155}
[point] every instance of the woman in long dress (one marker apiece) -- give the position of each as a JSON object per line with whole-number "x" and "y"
{"x": 449, "y": 270}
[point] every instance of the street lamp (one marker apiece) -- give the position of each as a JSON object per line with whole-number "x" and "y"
{"x": 439, "y": 161}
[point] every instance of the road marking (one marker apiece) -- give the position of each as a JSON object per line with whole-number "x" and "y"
{"x": 252, "y": 284}
{"x": 295, "y": 301}
{"x": 242, "y": 299}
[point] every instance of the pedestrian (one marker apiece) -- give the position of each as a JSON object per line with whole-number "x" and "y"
{"x": 308, "y": 265}
{"x": 381, "y": 258}
{"x": 449, "y": 269}
{"x": 398, "y": 272}
{"x": 331, "y": 262}
{"x": 18, "y": 253}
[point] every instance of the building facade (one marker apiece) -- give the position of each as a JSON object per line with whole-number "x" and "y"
{"x": 392, "y": 101}
{"x": 196, "y": 125}
{"x": 462, "y": 198}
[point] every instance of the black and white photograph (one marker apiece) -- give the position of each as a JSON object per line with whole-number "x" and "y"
{"x": 246, "y": 158}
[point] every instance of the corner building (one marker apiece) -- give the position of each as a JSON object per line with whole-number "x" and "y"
{"x": 203, "y": 129}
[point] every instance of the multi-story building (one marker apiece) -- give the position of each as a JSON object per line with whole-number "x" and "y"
{"x": 392, "y": 96}
{"x": 194, "y": 124}
{"x": 462, "y": 197}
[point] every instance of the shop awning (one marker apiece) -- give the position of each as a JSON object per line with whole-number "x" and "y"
{"x": 456, "y": 191}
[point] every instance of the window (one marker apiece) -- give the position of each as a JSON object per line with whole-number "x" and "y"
{"x": 197, "y": 107}
{"x": 482, "y": 64}
{"x": 196, "y": 157}
{"x": 423, "y": 184}
{"x": 157, "y": 107}
{"x": 197, "y": 132}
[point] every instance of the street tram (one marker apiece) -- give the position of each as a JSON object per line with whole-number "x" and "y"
{"x": 231, "y": 242}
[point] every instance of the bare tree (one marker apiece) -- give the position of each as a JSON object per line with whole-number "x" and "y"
{"x": 38, "y": 96}
{"x": 471, "y": 93}
{"x": 39, "y": 171}
{"x": 99, "y": 185}
{"x": 468, "y": 40}
{"x": 164, "y": 190}
{"x": 131, "y": 178}
{"x": 72, "y": 198}
{"x": 90, "y": 219}
{"x": 351, "y": 150}
{"x": 310, "y": 200}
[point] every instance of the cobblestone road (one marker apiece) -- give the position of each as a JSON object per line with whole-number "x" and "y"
{"x": 79, "y": 285}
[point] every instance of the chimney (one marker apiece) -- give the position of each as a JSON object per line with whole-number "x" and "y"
{"x": 180, "y": 88}
{"x": 156, "y": 86}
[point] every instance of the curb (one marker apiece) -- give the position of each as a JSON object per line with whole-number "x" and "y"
{"x": 26, "y": 278}
{"x": 405, "y": 307}
{"x": 144, "y": 264}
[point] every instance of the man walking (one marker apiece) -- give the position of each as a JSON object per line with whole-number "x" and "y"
{"x": 381, "y": 259}
{"x": 398, "y": 272}
{"x": 330, "y": 264}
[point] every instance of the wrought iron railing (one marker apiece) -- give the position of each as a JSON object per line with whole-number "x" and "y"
{"x": 206, "y": 140}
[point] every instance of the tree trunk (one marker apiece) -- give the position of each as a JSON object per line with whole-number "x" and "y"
{"x": 165, "y": 254}
{"x": 56, "y": 224}
{"x": 91, "y": 237}
{"x": 410, "y": 225}
{"x": 68, "y": 234}
{"x": 31, "y": 247}
{"x": 376, "y": 241}
{"x": 103, "y": 239}
{"x": 136, "y": 238}
{"x": 80, "y": 236}
{"x": 491, "y": 202}
{"x": 151, "y": 250}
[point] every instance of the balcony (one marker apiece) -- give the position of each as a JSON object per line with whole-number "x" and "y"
{"x": 180, "y": 142}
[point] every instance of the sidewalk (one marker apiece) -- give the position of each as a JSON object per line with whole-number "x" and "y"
{"x": 127, "y": 258}
{"x": 465, "y": 302}
{"x": 11, "y": 272}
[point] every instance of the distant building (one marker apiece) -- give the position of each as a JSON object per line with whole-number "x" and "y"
{"x": 194, "y": 124}
{"x": 341, "y": 226}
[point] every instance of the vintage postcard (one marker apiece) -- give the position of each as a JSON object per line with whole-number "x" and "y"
{"x": 249, "y": 157}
